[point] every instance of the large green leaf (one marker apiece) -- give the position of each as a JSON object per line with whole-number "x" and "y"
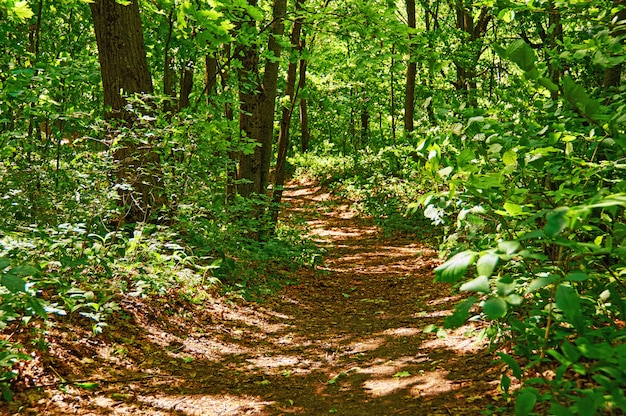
{"x": 522, "y": 54}
{"x": 461, "y": 313}
{"x": 508, "y": 247}
{"x": 37, "y": 307}
{"x": 4, "y": 263}
{"x": 567, "y": 300}
{"x": 495, "y": 308}
{"x": 555, "y": 222}
{"x": 525, "y": 402}
{"x": 486, "y": 264}
{"x": 513, "y": 365}
{"x": 13, "y": 283}
{"x": 578, "y": 96}
{"x": 454, "y": 269}
{"x": 479, "y": 284}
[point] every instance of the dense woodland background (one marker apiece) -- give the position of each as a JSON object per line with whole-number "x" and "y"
{"x": 145, "y": 144}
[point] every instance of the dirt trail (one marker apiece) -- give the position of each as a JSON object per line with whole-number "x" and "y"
{"x": 347, "y": 339}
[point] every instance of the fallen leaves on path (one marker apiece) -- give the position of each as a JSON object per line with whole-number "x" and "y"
{"x": 348, "y": 339}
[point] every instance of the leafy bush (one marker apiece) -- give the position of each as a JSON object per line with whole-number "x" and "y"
{"x": 535, "y": 220}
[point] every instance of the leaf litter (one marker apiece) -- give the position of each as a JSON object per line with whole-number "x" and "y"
{"x": 355, "y": 336}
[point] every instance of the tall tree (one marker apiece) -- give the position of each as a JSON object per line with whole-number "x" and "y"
{"x": 473, "y": 29}
{"x": 411, "y": 72}
{"x": 257, "y": 98}
{"x": 287, "y": 111}
{"x": 613, "y": 74}
{"x": 124, "y": 70}
{"x": 305, "y": 133}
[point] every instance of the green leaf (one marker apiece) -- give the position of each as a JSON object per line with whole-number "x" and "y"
{"x": 87, "y": 385}
{"x": 486, "y": 264}
{"x": 567, "y": 300}
{"x": 585, "y": 405}
{"x": 507, "y": 15}
{"x": 513, "y": 299}
{"x": 513, "y": 209}
{"x": 4, "y": 263}
{"x": 24, "y": 270}
{"x": 21, "y": 10}
{"x": 401, "y": 374}
{"x": 461, "y": 313}
{"x": 513, "y": 365}
{"x": 479, "y": 284}
{"x": 539, "y": 283}
{"x": 577, "y": 276}
{"x": 508, "y": 247}
{"x": 495, "y": 308}
{"x": 465, "y": 157}
{"x": 570, "y": 351}
{"x": 525, "y": 402}
{"x": 509, "y": 157}
{"x": 560, "y": 410}
{"x": 522, "y": 54}
{"x": 7, "y": 394}
{"x": 505, "y": 383}
{"x": 555, "y": 222}
{"x": 454, "y": 269}
{"x": 37, "y": 307}
{"x": 13, "y": 283}
{"x": 548, "y": 84}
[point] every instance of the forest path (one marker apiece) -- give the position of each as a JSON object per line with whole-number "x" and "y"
{"x": 347, "y": 339}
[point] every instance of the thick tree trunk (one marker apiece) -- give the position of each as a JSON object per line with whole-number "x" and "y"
{"x": 285, "y": 120}
{"x": 124, "y": 70}
{"x": 411, "y": 73}
{"x": 257, "y": 107}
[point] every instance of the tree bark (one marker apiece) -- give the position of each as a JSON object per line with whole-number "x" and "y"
{"x": 466, "y": 75}
{"x": 285, "y": 120}
{"x": 613, "y": 75}
{"x": 186, "y": 85}
{"x": 125, "y": 72}
{"x": 411, "y": 72}
{"x": 305, "y": 134}
{"x": 257, "y": 100}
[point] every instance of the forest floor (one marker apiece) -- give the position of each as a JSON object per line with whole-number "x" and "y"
{"x": 347, "y": 339}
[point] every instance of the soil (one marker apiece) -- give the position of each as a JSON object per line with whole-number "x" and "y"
{"x": 347, "y": 339}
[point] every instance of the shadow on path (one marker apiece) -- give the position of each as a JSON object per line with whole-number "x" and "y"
{"x": 348, "y": 339}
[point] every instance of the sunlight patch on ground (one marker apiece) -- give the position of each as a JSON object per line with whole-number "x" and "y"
{"x": 390, "y": 367}
{"x": 428, "y": 384}
{"x": 367, "y": 345}
{"x": 463, "y": 340}
{"x": 276, "y": 361}
{"x": 207, "y": 404}
{"x": 402, "y": 332}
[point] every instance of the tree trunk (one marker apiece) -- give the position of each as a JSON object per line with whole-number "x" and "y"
{"x": 304, "y": 113}
{"x": 186, "y": 85}
{"x": 411, "y": 73}
{"x": 257, "y": 107}
{"x": 556, "y": 38}
{"x": 466, "y": 75}
{"x": 124, "y": 70}
{"x": 613, "y": 75}
{"x": 285, "y": 120}
{"x": 210, "y": 77}
{"x": 169, "y": 75}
